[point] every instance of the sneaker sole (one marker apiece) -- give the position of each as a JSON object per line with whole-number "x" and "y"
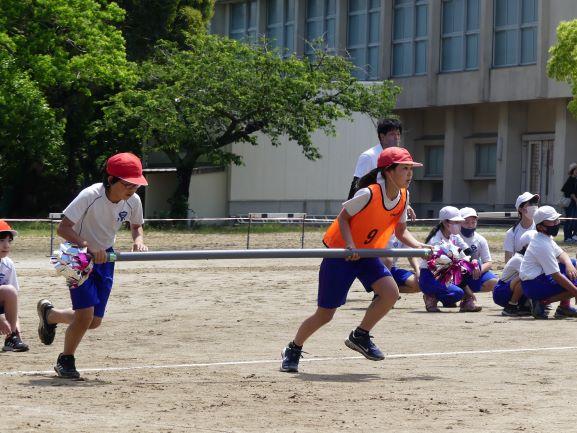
{"x": 356, "y": 348}
{"x": 64, "y": 376}
{"x": 11, "y": 349}
{"x": 41, "y": 324}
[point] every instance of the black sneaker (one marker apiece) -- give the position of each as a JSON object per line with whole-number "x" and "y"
{"x": 565, "y": 312}
{"x": 13, "y": 343}
{"x": 46, "y": 331}
{"x": 66, "y": 367}
{"x": 510, "y": 310}
{"x": 539, "y": 311}
{"x": 290, "y": 359}
{"x": 525, "y": 309}
{"x": 364, "y": 345}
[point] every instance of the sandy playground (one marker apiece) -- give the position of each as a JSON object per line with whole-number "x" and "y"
{"x": 194, "y": 347}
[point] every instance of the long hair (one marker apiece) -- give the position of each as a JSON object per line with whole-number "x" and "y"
{"x": 371, "y": 177}
{"x": 433, "y": 232}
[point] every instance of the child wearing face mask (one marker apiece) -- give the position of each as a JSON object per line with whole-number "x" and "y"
{"x": 547, "y": 272}
{"x": 508, "y": 292}
{"x": 448, "y": 230}
{"x": 482, "y": 280}
{"x": 526, "y": 205}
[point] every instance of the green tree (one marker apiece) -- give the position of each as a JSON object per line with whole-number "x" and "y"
{"x": 193, "y": 104}
{"x": 562, "y": 64}
{"x": 149, "y": 21}
{"x": 70, "y": 55}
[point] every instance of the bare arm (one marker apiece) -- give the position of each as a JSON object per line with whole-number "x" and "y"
{"x": 564, "y": 282}
{"x": 138, "y": 238}
{"x": 345, "y": 227}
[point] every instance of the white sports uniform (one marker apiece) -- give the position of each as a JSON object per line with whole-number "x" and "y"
{"x": 8, "y": 273}
{"x": 512, "y": 243}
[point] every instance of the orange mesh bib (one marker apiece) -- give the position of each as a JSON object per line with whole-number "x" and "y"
{"x": 373, "y": 226}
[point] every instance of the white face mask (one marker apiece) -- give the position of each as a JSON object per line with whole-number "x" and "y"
{"x": 454, "y": 229}
{"x": 531, "y": 211}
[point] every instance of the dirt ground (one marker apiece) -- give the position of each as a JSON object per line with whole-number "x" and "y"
{"x": 194, "y": 347}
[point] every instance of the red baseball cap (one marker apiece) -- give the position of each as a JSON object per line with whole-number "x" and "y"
{"x": 396, "y": 155}
{"x": 5, "y": 227}
{"x": 126, "y": 166}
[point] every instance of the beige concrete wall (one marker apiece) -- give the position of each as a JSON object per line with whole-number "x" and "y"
{"x": 160, "y": 188}
{"x": 208, "y": 197}
{"x": 283, "y": 173}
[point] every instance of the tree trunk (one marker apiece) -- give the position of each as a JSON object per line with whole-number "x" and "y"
{"x": 179, "y": 200}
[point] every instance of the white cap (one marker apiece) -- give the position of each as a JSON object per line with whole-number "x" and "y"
{"x": 545, "y": 213}
{"x": 525, "y": 197}
{"x": 450, "y": 213}
{"x": 572, "y": 166}
{"x": 468, "y": 212}
{"x": 526, "y": 238}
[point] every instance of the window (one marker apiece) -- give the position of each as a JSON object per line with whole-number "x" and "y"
{"x": 320, "y": 24}
{"x": 460, "y": 35}
{"x": 280, "y": 25}
{"x": 243, "y": 21}
{"x": 515, "y": 39}
{"x": 363, "y": 38}
{"x": 410, "y": 33}
{"x": 485, "y": 159}
{"x": 434, "y": 161}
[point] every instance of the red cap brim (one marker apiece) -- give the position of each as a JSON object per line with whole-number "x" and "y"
{"x": 135, "y": 180}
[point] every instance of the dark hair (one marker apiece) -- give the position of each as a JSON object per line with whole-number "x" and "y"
{"x": 106, "y": 182}
{"x": 433, "y": 232}
{"x": 371, "y": 177}
{"x": 522, "y": 250}
{"x": 386, "y": 125}
{"x": 4, "y": 235}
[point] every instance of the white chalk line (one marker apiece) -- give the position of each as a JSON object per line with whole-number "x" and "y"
{"x": 275, "y": 361}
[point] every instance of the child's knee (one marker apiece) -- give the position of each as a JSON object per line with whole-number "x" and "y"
{"x": 386, "y": 288}
{"x": 7, "y": 290}
{"x": 96, "y": 322}
{"x": 325, "y": 315}
{"x": 84, "y": 317}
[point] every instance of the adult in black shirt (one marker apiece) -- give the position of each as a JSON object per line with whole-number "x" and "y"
{"x": 570, "y": 190}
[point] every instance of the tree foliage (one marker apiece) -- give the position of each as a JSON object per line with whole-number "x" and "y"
{"x": 58, "y": 58}
{"x": 194, "y": 103}
{"x": 149, "y": 21}
{"x": 562, "y": 64}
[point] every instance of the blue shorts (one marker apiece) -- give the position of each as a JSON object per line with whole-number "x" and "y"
{"x": 476, "y": 285}
{"x": 502, "y": 293}
{"x": 94, "y": 292}
{"x": 448, "y": 294}
{"x": 544, "y": 286}
{"x": 400, "y": 275}
{"x": 336, "y": 277}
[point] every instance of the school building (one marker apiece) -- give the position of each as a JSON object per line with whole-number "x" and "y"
{"x": 477, "y": 106}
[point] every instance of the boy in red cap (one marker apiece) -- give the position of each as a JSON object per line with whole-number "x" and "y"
{"x": 92, "y": 220}
{"x": 378, "y": 209}
{"x": 9, "y": 323}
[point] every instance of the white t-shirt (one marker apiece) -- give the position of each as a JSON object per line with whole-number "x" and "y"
{"x": 438, "y": 238}
{"x": 540, "y": 257}
{"x": 368, "y": 161}
{"x": 395, "y": 243}
{"x": 479, "y": 247}
{"x": 363, "y": 196}
{"x": 513, "y": 238}
{"x": 8, "y": 273}
{"x": 512, "y": 267}
{"x": 96, "y": 219}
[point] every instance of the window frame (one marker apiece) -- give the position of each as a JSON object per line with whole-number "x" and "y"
{"x": 478, "y": 148}
{"x": 324, "y": 18}
{"x": 518, "y": 28}
{"x": 283, "y": 24}
{"x": 413, "y": 40}
{"x": 462, "y": 35}
{"x": 249, "y": 33}
{"x": 428, "y": 149}
{"x": 366, "y": 45}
